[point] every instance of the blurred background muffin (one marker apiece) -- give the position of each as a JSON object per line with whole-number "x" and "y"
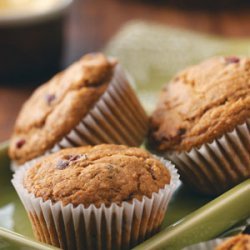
{"x": 31, "y": 38}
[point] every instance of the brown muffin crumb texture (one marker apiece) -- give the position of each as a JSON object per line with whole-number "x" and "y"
{"x": 201, "y": 104}
{"x": 238, "y": 242}
{"x": 58, "y": 106}
{"x": 95, "y": 175}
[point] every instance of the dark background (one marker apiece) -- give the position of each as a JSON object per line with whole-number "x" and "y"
{"x": 91, "y": 23}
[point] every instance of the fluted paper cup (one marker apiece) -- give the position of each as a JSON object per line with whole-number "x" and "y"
{"x": 217, "y": 166}
{"x": 117, "y": 118}
{"x": 114, "y": 227}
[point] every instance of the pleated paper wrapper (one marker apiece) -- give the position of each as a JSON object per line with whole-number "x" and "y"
{"x": 217, "y": 166}
{"x": 115, "y": 227}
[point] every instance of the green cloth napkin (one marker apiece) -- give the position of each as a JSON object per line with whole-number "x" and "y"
{"x": 153, "y": 54}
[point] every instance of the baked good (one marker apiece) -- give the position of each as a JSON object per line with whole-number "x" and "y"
{"x": 205, "y": 105}
{"x": 110, "y": 196}
{"x": 90, "y": 102}
{"x": 119, "y": 173}
{"x": 238, "y": 242}
{"x": 201, "y": 104}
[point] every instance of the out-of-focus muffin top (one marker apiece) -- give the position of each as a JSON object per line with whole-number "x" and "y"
{"x": 102, "y": 174}
{"x": 57, "y": 106}
{"x": 201, "y": 104}
{"x": 238, "y": 242}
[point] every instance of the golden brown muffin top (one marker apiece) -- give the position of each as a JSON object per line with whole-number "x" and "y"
{"x": 201, "y": 103}
{"x": 57, "y": 106}
{"x": 238, "y": 242}
{"x": 95, "y": 175}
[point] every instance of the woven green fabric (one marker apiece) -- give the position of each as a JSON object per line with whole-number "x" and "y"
{"x": 153, "y": 54}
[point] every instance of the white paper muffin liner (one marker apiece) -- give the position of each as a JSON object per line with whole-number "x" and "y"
{"x": 208, "y": 245}
{"x": 217, "y": 166}
{"x": 115, "y": 227}
{"x": 116, "y": 118}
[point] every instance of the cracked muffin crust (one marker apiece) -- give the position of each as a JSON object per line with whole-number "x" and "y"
{"x": 96, "y": 175}
{"x": 201, "y": 104}
{"x": 58, "y": 106}
{"x": 238, "y": 242}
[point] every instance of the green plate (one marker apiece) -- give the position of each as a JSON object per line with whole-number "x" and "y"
{"x": 151, "y": 54}
{"x": 190, "y": 218}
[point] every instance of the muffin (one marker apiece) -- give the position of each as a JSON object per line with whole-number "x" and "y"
{"x": 238, "y": 242}
{"x": 89, "y": 103}
{"x": 96, "y": 197}
{"x": 202, "y": 123}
